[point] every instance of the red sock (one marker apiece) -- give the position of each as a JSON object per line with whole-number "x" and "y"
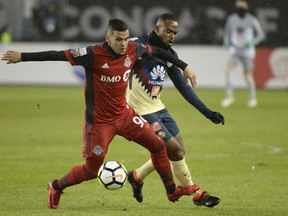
{"x": 75, "y": 176}
{"x": 163, "y": 167}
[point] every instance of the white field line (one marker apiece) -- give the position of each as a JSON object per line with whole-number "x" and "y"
{"x": 260, "y": 149}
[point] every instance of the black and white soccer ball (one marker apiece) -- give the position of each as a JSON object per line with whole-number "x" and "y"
{"x": 112, "y": 175}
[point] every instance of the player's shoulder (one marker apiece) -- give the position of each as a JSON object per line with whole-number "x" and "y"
{"x": 138, "y": 44}
{"x": 132, "y": 45}
{"x": 251, "y": 16}
{"x": 144, "y": 39}
{"x": 98, "y": 46}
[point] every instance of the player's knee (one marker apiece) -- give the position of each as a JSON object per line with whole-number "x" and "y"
{"x": 174, "y": 150}
{"x": 176, "y": 155}
{"x": 92, "y": 166}
{"x": 179, "y": 155}
{"x": 158, "y": 145}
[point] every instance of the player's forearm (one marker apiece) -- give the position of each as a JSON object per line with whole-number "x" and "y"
{"x": 191, "y": 97}
{"x": 44, "y": 56}
{"x": 259, "y": 33}
{"x": 163, "y": 54}
{"x": 187, "y": 92}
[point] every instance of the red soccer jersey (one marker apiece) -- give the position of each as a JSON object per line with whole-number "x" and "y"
{"x": 107, "y": 76}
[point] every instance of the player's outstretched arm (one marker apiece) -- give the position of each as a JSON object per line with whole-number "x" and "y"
{"x": 191, "y": 97}
{"x": 12, "y": 57}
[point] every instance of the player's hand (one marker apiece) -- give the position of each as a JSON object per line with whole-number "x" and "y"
{"x": 190, "y": 75}
{"x": 11, "y": 57}
{"x": 217, "y": 118}
{"x": 250, "y": 44}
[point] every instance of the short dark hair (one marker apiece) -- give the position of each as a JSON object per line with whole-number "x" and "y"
{"x": 117, "y": 25}
{"x": 167, "y": 16}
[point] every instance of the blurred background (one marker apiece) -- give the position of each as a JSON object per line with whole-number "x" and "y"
{"x": 201, "y": 21}
{"x": 70, "y": 23}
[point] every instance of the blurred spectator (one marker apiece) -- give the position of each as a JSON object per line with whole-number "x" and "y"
{"x": 46, "y": 20}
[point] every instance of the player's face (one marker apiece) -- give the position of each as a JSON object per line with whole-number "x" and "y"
{"x": 241, "y": 4}
{"x": 118, "y": 41}
{"x": 167, "y": 32}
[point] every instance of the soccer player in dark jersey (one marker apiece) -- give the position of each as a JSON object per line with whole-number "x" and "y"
{"x": 107, "y": 68}
{"x": 146, "y": 84}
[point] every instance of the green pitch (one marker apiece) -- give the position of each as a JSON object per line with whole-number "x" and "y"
{"x": 244, "y": 162}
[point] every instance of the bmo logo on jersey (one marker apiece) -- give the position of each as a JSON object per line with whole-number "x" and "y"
{"x": 112, "y": 79}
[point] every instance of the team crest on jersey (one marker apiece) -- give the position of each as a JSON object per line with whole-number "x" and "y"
{"x": 161, "y": 134}
{"x": 127, "y": 62}
{"x": 98, "y": 150}
{"x": 155, "y": 91}
{"x": 169, "y": 64}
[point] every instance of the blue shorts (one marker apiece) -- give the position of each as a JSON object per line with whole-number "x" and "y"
{"x": 163, "y": 124}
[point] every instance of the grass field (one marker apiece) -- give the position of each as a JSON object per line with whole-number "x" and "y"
{"x": 244, "y": 162}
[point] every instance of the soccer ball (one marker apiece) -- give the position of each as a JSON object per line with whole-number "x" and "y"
{"x": 112, "y": 175}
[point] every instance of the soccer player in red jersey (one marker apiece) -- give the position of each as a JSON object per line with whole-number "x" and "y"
{"x": 107, "y": 69}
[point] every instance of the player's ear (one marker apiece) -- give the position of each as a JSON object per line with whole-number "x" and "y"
{"x": 156, "y": 28}
{"x": 107, "y": 39}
